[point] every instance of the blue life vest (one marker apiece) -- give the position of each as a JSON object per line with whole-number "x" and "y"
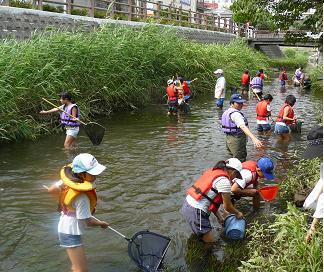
{"x": 228, "y": 126}
{"x": 257, "y": 83}
{"x": 298, "y": 74}
{"x": 66, "y": 119}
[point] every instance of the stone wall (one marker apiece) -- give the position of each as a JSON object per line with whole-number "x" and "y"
{"x": 21, "y": 23}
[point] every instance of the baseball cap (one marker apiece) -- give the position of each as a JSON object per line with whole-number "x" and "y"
{"x": 87, "y": 163}
{"x": 315, "y": 143}
{"x": 266, "y": 165}
{"x": 170, "y": 81}
{"x": 219, "y": 71}
{"x": 237, "y": 98}
{"x": 235, "y": 164}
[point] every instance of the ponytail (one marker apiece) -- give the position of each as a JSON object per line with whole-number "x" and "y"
{"x": 220, "y": 165}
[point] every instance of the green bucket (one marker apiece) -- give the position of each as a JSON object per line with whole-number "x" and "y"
{"x": 296, "y": 128}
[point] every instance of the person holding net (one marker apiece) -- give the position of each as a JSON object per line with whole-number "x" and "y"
{"x": 206, "y": 195}
{"x": 69, "y": 116}
{"x": 77, "y": 203}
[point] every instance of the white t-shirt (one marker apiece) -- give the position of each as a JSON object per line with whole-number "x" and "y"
{"x": 237, "y": 119}
{"x": 73, "y": 224}
{"x": 220, "y": 87}
{"x": 263, "y": 122}
{"x": 221, "y": 184}
{"x": 246, "y": 178}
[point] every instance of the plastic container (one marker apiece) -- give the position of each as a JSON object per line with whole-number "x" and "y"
{"x": 269, "y": 193}
{"x": 234, "y": 228}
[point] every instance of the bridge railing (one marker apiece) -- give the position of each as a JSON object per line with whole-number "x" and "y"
{"x": 141, "y": 10}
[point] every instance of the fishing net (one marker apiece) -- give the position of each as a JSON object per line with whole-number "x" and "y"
{"x": 95, "y": 132}
{"x": 147, "y": 250}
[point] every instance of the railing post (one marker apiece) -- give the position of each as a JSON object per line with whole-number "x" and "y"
{"x": 206, "y": 21}
{"x": 231, "y": 26}
{"x": 91, "y": 8}
{"x": 40, "y": 4}
{"x": 129, "y": 10}
{"x": 189, "y": 17}
{"x": 170, "y": 13}
{"x": 144, "y": 10}
{"x": 180, "y": 15}
{"x": 112, "y": 11}
{"x": 214, "y": 22}
{"x": 68, "y": 6}
{"x": 158, "y": 8}
{"x": 218, "y": 23}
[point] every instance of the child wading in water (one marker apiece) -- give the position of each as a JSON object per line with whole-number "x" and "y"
{"x": 77, "y": 203}
{"x": 71, "y": 125}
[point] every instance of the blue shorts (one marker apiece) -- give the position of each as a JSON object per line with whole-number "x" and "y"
{"x": 282, "y": 83}
{"x": 280, "y": 129}
{"x": 69, "y": 240}
{"x": 196, "y": 218}
{"x": 263, "y": 127}
{"x": 219, "y": 102}
{"x": 187, "y": 97}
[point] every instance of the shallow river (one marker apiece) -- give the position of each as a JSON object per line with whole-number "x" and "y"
{"x": 151, "y": 160}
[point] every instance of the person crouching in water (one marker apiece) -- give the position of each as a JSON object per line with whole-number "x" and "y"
{"x": 71, "y": 124}
{"x": 211, "y": 190}
{"x": 263, "y": 111}
{"x": 235, "y": 127}
{"x": 172, "y": 98}
{"x": 256, "y": 85}
{"x": 77, "y": 204}
{"x": 182, "y": 104}
{"x": 251, "y": 172}
{"x": 186, "y": 87}
{"x": 286, "y": 117}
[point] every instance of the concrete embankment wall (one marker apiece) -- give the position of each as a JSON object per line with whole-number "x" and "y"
{"x": 21, "y": 23}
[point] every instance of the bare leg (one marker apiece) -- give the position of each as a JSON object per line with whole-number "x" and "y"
{"x": 256, "y": 200}
{"x": 311, "y": 230}
{"x": 69, "y": 140}
{"x": 208, "y": 237}
{"x": 78, "y": 259}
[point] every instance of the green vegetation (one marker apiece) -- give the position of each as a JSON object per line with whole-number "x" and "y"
{"x": 316, "y": 76}
{"x": 292, "y": 60}
{"x": 108, "y": 69}
{"x": 281, "y": 246}
{"x": 51, "y": 8}
{"x": 303, "y": 176}
{"x": 21, "y": 4}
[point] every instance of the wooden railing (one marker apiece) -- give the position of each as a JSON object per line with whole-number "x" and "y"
{"x": 146, "y": 11}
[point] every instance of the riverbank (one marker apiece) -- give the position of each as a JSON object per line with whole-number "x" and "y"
{"x": 106, "y": 70}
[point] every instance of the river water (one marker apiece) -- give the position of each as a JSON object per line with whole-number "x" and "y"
{"x": 151, "y": 160}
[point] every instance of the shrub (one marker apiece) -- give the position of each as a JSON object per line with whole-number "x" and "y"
{"x": 290, "y": 53}
{"x": 51, "y": 8}
{"x": 21, "y": 4}
{"x": 80, "y": 12}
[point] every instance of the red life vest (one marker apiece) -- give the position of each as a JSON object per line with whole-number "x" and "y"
{"x": 283, "y": 76}
{"x": 261, "y": 110}
{"x": 171, "y": 92}
{"x": 262, "y": 76}
{"x": 251, "y": 166}
{"x": 204, "y": 184}
{"x": 245, "y": 79}
{"x": 291, "y": 114}
{"x": 185, "y": 87}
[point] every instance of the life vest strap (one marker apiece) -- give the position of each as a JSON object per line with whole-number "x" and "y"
{"x": 198, "y": 191}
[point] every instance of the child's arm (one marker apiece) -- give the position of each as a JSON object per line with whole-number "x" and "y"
{"x": 92, "y": 222}
{"x": 50, "y": 111}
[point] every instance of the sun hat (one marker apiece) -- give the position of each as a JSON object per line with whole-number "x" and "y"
{"x": 235, "y": 164}
{"x": 87, "y": 163}
{"x": 315, "y": 143}
{"x": 266, "y": 165}
{"x": 218, "y": 71}
{"x": 237, "y": 98}
{"x": 170, "y": 81}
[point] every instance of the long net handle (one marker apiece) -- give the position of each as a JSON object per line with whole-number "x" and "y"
{"x": 116, "y": 231}
{"x": 63, "y": 111}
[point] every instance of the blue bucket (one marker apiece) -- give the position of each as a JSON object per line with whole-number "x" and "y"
{"x": 234, "y": 228}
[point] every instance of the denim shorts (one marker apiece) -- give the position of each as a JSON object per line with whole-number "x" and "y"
{"x": 280, "y": 129}
{"x": 69, "y": 240}
{"x": 196, "y": 218}
{"x": 72, "y": 131}
{"x": 219, "y": 102}
{"x": 263, "y": 127}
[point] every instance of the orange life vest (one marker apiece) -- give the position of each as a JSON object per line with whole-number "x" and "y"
{"x": 261, "y": 110}
{"x": 291, "y": 114}
{"x": 251, "y": 166}
{"x": 204, "y": 184}
{"x": 72, "y": 188}
{"x": 171, "y": 92}
{"x": 185, "y": 87}
{"x": 245, "y": 79}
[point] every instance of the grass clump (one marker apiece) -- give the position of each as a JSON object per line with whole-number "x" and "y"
{"x": 302, "y": 177}
{"x": 112, "y": 68}
{"x": 316, "y": 76}
{"x": 281, "y": 246}
{"x": 292, "y": 59}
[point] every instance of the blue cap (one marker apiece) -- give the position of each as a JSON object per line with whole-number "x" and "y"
{"x": 266, "y": 165}
{"x": 237, "y": 98}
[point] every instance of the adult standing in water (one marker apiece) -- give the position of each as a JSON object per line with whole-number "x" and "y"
{"x": 220, "y": 88}
{"x": 77, "y": 203}
{"x": 257, "y": 85}
{"x": 235, "y": 126}
{"x": 71, "y": 124}
{"x": 286, "y": 117}
{"x": 206, "y": 195}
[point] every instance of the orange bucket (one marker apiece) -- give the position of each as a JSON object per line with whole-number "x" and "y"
{"x": 269, "y": 193}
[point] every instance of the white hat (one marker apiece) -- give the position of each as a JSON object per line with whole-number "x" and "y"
{"x": 234, "y": 163}
{"x": 218, "y": 71}
{"x": 87, "y": 163}
{"x": 170, "y": 81}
